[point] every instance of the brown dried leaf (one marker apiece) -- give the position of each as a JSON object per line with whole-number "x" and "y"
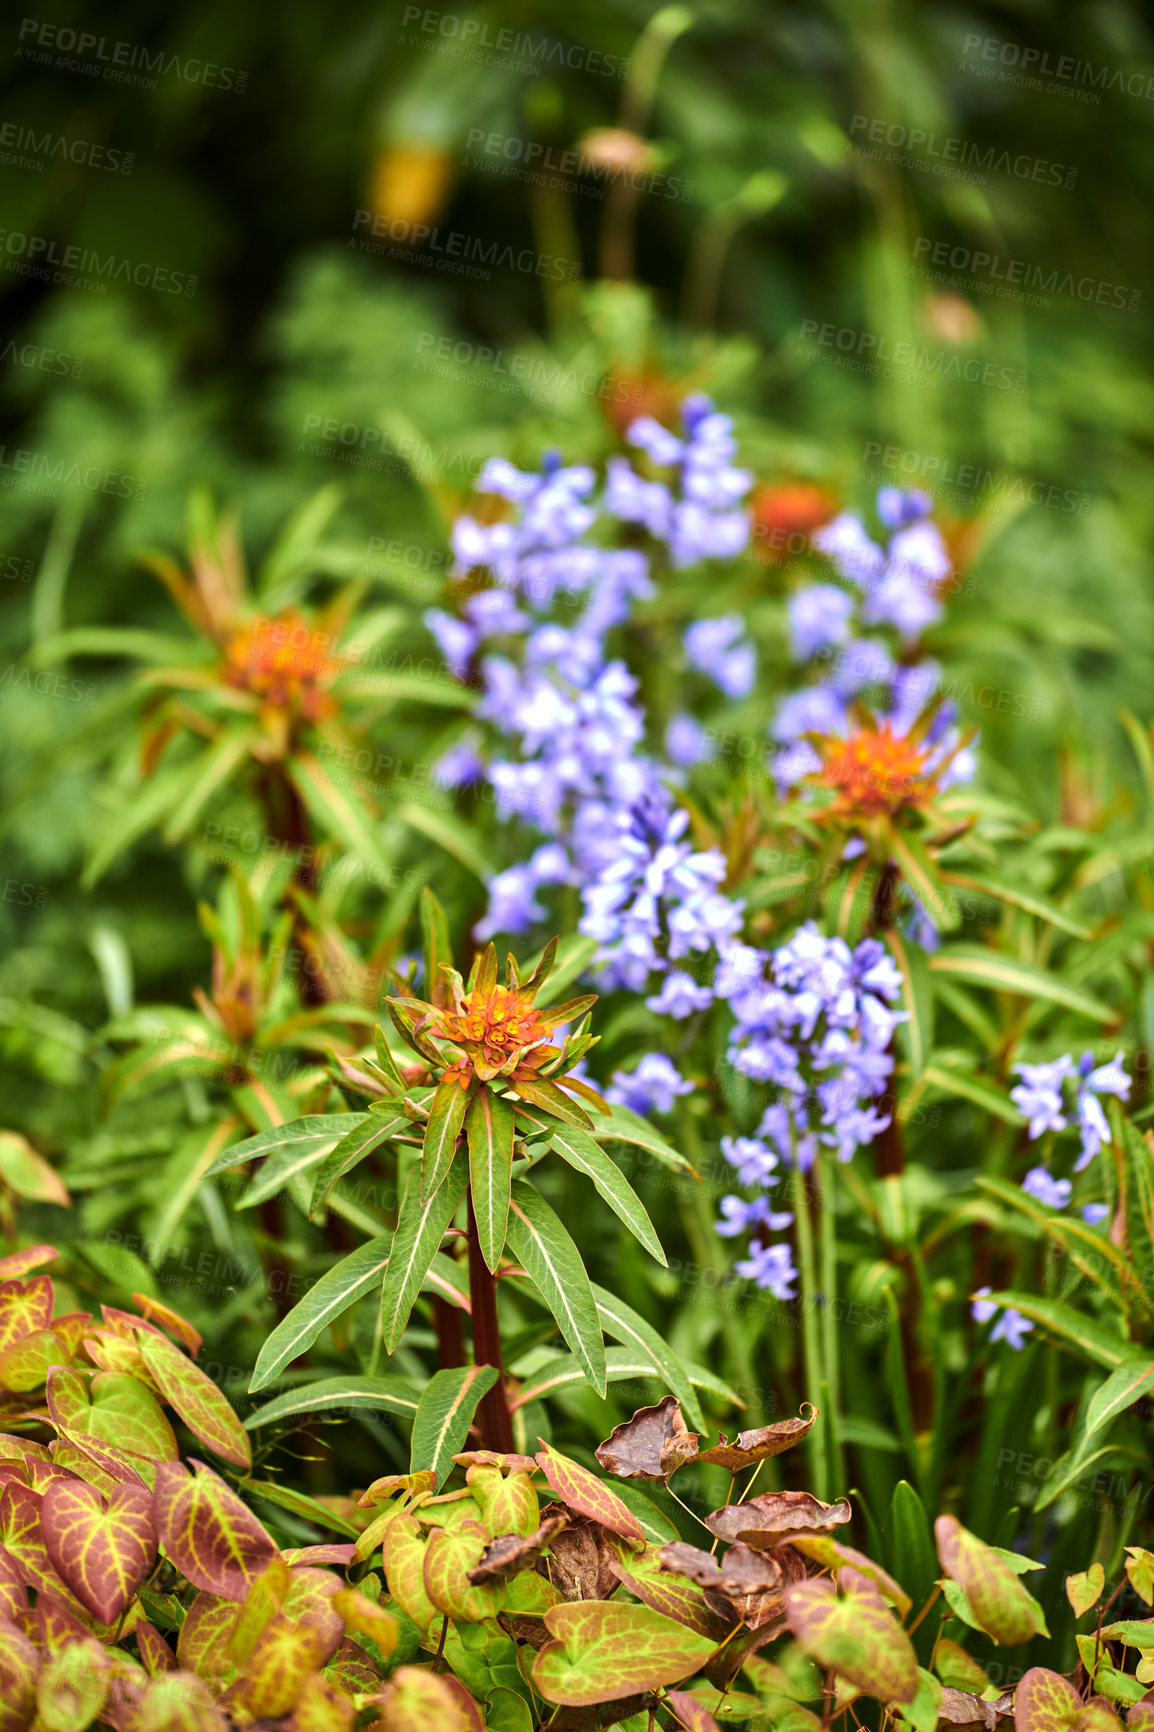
{"x": 749, "y": 1447}
{"x": 581, "y": 1558}
{"x": 741, "y": 1571}
{"x": 651, "y": 1445}
{"x": 960, "y": 1708}
{"x": 776, "y": 1516}
{"x": 509, "y": 1554}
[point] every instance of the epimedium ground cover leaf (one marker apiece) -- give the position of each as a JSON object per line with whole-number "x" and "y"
{"x": 210, "y": 1535}
{"x": 102, "y": 1548}
{"x": 204, "y": 1408}
{"x": 605, "y": 1651}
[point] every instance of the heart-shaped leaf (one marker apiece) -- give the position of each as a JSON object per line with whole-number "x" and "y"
{"x": 580, "y": 1490}
{"x": 102, "y": 1549}
{"x": 213, "y": 1538}
{"x": 603, "y": 1651}
{"x": 857, "y": 1636}
{"x": 999, "y": 1602}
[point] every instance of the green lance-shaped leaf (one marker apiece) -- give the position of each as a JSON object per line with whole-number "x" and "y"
{"x": 1121, "y": 1390}
{"x": 214, "y": 769}
{"x": 540, "y": 1092}
{"x": 337, "y": 1289}
{"x": 1002, "y": 1606}
{"x": 387, "y": 1062}
{"x": 983, "y": 967}
{"x": 625, "y": 1325}
{"x": 588, "y": 1157}
{"x": 1071, "y": 1327}
{"x": 364, "y": 1137}
{"x": 858, "y": 1637}
{"x": 553, "y": 1263}
{"x": 489, "y": 1129}
{"x": 1020, "y": 896}
{"x": 103, "y": 1550}
{"x": 446, "y": 1118}
{"x": 317, "y": 1131}
{"x": 916, "y": 1034}
{"x": 623, "y": 1125}
{"x": 204, "y": 1408}
{"x": 923, "y": 878}
{"x": 566, "y": 1372}
{"x": 329, "y": 1398}
{"x": 339, "y": 815}
{"x": 602, "y": 1651}
{"x": 210, "y": 1536}
{"x": 444, "y": 1415}
{"x": 438, "y": 950}
{"x": 421, "y": 1226}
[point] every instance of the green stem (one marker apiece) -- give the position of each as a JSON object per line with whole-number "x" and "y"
{"x": 810, "y": 1322}
{"x": 827, "y": 1243}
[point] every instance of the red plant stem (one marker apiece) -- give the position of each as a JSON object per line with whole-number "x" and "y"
{"x": 450, "y": 1334}
{"x": 493, "y": 1416}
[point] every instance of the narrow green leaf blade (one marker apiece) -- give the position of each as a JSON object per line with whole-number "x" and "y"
{"x": 346, "y": 819}
{"x": 588, "y": 1157}
{"x": 332, "y": 1395}
{"x": 316, "y": 1130}
{"x": 336, "y": 1290}
{"x": 1070, "y": 1327}
{"x": 444, "y": 1415}
{"x": 625, "y": 1325}
{"x": 446, "y": 1117}
{"x": 983, "y": 967}
{"x": 489, "y": 1129}
{"x": 621, "y": 1124}
{"x": 553, "y": 1263}
{"x": 364, "y": 1137}
{"x": 421, "y": 1226}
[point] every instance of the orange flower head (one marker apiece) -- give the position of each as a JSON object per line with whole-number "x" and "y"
{"x": 285, "y": 662}
{"x": 876, "y": 772}
{"x": 495, "y": 1029}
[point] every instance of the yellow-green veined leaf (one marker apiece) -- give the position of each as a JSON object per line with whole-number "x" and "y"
{"x": 982, "y": 967}
{"x": 625, "y": 1325}
{"x": 603, "y": 1650}
{"x": 353, "y": 1147}
{"x": 444, "y": 1415}
{"x": 28, "y": 1173}
{"x": 857, "y": 1636}
{"x": 1002, "y": 1606}
{"x": 207, "y": 1532}
{"x": 103, "y": 1548}
{"x": 442, "y": 1130}
{"x": 337, "y": 1289}
{"x": 204, "y": 1408}
{"x": 999, "y": 890}
{"x": 553, "y": 1263}
{"x": 421, "y": 1225}
{"x": 586, "y": 1156}
{"x": 489, "y": 1130}
{"x": 335, "y": 811}
{"x": 332, "y": 1395}
{"x": 1070, "y": 1327}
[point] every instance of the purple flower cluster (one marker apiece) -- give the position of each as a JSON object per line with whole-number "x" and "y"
{"x": 698, "y": 514}
{"x": 814, "y": 1019}
{"x": 1011, "y": 1325}
{"x": 893, "y": 588}
{"x": 1052, "y": 1096}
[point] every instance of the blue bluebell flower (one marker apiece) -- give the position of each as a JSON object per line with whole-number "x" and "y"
{"x": 1010, "y": 1327}
{"x": 651, "y": 1088}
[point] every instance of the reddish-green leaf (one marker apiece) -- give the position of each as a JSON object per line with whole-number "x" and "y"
{"x": 996, "y": 1597}
{"x": 24, "y": 1306}
{"x": 603, "y": 1650}
{"x": 114, "y": 1409}
{"x": 72, "y": 1688}
{"x": 28, "y": 1173}
{"x": 1045, "y": 1702}
{"x": 19, "y": 1666}
{"x": 207, "y": 1532}
{"x": 417, "y": 1701}
{"x": 582, "y": 1491}
{"x": 857, "y": 1636}
{"x": 489, "y": 1129}
{"x": 286, "y": 1652}
{"x": 178, "y": 1702}
{"x": 404, "y": 1557}
{"x": 102, "y": 1549}
{"x": 204, "y": 1408}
